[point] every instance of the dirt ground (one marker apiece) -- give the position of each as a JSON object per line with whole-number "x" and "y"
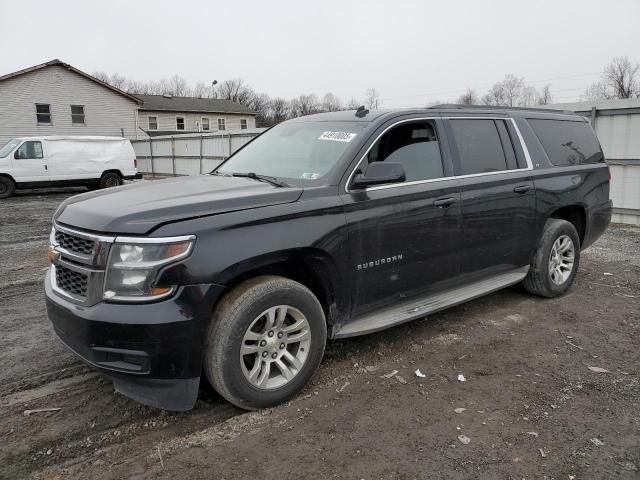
{"x": 530, "y": 406}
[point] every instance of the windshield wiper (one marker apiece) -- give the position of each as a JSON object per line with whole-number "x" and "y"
{"x": 262, "y": 178}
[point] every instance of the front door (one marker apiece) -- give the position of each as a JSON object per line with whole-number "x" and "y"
{"x": 498, "y": 197}
{"x": 403, "y": 237}
{"x": 29, "y": 163}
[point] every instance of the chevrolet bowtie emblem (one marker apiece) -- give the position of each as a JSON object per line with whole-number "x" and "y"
{"x": 52, "y": 255}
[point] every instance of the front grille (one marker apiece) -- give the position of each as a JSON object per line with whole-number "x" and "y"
{"x": 71, "y": 281}
{"x": 74, "y": 243}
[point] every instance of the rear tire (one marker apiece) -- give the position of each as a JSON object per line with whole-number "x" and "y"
{"x": 7, "y": 187}
{"x": 110, "y": 179}
{"x": 271, "y": 320}
{"x": 556, "y": 260}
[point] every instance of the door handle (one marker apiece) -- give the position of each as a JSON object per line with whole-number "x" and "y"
{"x": 444, "y": 202}
{"x": 522, "y": 188}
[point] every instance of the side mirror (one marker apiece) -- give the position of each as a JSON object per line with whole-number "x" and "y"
{"x": 380, "y": 173}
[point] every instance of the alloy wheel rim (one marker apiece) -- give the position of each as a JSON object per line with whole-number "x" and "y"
{"x": 561, "y": 259}
{"x": 275, "y": 347}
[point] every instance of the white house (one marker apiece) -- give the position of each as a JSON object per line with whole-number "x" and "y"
{"x": 54, "y": 98}
{"x": 168, "y": 115}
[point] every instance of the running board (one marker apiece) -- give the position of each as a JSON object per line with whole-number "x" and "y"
{"x": 414, "y": 309}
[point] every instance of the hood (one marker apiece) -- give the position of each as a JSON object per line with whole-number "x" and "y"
{"x": 138, "y": 208}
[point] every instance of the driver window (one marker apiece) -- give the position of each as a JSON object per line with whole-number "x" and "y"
{"x": 414, "y": 145}
{"x": 29, "y": 150}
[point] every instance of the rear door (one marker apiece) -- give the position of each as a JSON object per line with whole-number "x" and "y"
{"x": 30, "y": 163}
{"x": 403, "y": 237}
{"x": 498, "y": 196}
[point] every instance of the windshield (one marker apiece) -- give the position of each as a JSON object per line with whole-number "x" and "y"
{"x": 8, "y": 148}
{"x": 296, "y": 150}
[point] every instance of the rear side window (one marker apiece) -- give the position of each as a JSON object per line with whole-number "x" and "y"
{"x": 480, "y": 147}
{"x": 567, "y": 143}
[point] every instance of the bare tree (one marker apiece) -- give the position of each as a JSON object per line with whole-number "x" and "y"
{"x": 468, "y": 98}
{"x": 304, "y": 105}
{"x": 353, "y": 104}
{"x": 278, "y": 111}
{"x": 529, "y": 96}
{"x": 179, "y": 87}
{"x": 236, "y": 91}
{"x": 495, "y": 95}
{"x": 598, "y": 91}
{"x": 200, "y": 90}
{"x": 331, "y": 103}
{"x": 261, "y": 104}
{"x": 619, "y": 80}
{"x": 545, "y": 97}
{"x": 621, "y": 76}
{"x": 372, "y": 98}
{"x": 512, "y": 86}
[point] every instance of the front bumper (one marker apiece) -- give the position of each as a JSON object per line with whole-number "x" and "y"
{"x": 151, "y": 351}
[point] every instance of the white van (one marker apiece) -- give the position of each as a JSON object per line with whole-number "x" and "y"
{"x": 94, "y": 162}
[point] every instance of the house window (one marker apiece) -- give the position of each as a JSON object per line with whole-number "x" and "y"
{"x": 205, "y": 124}
{"x": 221, "y": 124}
{"x": 153, "y": 122}
{"x": 243, "y": 124}
{"x": 43, "y": 113}
{"x": 179, "y": 123}
{"x": 77, "y": 114}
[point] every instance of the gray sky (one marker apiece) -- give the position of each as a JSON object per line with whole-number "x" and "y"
{"x": 412, "y": 52}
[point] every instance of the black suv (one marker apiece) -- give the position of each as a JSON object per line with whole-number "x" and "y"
{"x": 326, "y": 226}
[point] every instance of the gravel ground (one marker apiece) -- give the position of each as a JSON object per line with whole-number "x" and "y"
{"x": 530, "y": 406}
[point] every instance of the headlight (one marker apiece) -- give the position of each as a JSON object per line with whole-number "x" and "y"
{"x": 135, "y": 262}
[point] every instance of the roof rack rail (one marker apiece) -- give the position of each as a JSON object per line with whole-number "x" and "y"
{"x": 458, "y": 106}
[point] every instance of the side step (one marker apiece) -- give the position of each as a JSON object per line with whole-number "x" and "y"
{"x": 418, "y": 308}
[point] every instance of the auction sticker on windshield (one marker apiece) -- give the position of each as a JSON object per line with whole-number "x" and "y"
{"x": 337, "y": 136}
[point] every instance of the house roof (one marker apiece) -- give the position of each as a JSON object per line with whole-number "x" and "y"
{"x": 60, "y": 63}
{"x": 167, "y": 103}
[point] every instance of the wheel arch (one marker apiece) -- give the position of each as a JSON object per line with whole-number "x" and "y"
{"x": 575, "y": 214}
{"x": 6, "y": 175}
{"x": 311, "y": 267}
{"x": 111, "y": 170}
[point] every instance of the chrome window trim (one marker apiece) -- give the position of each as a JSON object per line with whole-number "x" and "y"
{"x": 527, "y": 156}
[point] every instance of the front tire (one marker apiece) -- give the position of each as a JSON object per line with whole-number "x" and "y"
{"x": 265, "y": 341}
{"x": 7, "y": 187}
{"x": 556, "y": 260}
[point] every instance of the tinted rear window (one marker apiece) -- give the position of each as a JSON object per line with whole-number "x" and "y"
{"x": 479, "y": 146}
{"x": 567, "y": 143}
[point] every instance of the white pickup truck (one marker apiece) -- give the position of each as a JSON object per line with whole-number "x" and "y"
{"x": 94, "y": 162}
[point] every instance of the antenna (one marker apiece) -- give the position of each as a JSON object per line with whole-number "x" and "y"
{"x": 361, "y": 111}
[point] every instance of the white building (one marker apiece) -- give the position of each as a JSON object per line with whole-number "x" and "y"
{"x": 54, "y": 98}
{"x": 617, "y": 124}
{"x": 168, "y": 115}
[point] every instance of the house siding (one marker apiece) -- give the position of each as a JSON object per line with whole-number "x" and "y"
{"x": 106, "y": 112}
{"x": 167, "y": 120}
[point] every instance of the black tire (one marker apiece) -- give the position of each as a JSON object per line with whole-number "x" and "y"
{"x": 539, "y": 279}
{"x": 231, "y": 320}
{"x": 7, "y": 187}
{"x": 110, "y": 179}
